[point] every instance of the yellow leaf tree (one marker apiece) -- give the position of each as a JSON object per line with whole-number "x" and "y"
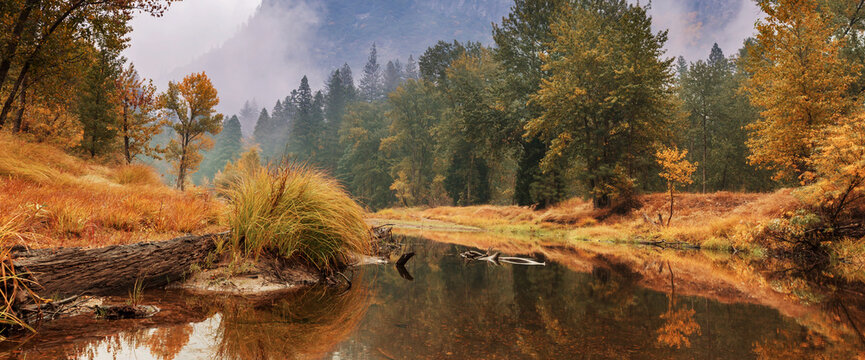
{"x": 799, "y": 81}
{"x": 138, "y": 121}
{"x": 676, "y": 170}
{"x": 191, "y": 103}
{"x": 838, "y": 175}
{"x": 608, "y": 96}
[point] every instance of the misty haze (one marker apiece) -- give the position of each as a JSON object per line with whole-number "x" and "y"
{"x": 441, "y": 179}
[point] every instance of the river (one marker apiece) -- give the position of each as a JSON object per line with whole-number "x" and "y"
{"x": 444, "y": 307}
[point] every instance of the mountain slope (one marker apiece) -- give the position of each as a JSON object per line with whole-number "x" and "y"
{"x": 286, "y": 39}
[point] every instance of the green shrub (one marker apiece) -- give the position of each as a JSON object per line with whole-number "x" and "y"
{"x": 292, "y": 211}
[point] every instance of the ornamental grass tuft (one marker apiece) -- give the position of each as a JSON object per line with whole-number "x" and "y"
{"x": 290, "y": 210}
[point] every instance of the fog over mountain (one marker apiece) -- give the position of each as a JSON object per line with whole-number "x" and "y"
{"x": 281, "y": 40}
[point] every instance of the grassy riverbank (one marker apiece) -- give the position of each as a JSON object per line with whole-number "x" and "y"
{"x": 49, "y": 198}
{"x": 721, "y": 220}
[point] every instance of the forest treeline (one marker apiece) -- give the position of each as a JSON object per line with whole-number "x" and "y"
{"x": 565, "y": 103}
{"x": 573, "y": 98}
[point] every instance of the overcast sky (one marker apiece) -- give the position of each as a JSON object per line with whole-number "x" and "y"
{"x": 693, "y": 38}
{"x": 189, "y": 29}
{"x": 163, "y": 47}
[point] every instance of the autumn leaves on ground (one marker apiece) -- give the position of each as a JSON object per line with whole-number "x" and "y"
{"x": 51, "y": 198}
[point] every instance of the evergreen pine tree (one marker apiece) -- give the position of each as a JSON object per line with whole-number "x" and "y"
{"x": 393, "y": 76}
{"x": 248, "y": 114}
{"x": 278, "y": 137}
{"x": 263, "y": 131}
{"x": 520, "y": 39}
{"x": 371, "y": 82}
{"x": 335, "y": 102}
{"x": 348, "y": 82}
{"x": 95, "y": 110}
{"x": 411, "y": 71}
{"x": 227, "y": 147}
{"x": 306, "y": 125}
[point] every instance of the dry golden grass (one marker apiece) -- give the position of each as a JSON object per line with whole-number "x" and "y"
{"x": 56, "y": 199}
{"x": 293, "y": 211}
{"x": 697, "y": 217}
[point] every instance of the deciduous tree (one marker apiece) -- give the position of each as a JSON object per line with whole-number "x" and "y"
{"x": 800, "y": 82}
{"x": 416, "y": 109}
{"x": 191, "y": 103}
{"x": 676, "y": 169}
{"x": 608, "y": 96}
{"x": 31, "y": 28}
{"x": 138, "y": 121}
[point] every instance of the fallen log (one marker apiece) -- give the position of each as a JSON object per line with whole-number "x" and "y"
{"x": 113, "y": 269}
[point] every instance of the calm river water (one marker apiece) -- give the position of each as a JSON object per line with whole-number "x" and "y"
{"x": 445, "y": 308}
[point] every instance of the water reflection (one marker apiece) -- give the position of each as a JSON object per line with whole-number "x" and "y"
{"x": 679, "y": 322}
{"x": 457, "y": 310}
{"x": 301, "y": 326}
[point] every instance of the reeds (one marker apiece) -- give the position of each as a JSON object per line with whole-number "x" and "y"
{"x": 293, "y": 211}
{"x": 137, "y": 292}
{"x": 13, "y": 286}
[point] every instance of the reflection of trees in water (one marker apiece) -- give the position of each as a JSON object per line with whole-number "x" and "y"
{"x": 308, "y": 323}
{"x": 794, "y": 346}
{"x": 612, "y": 290}
{"x": 165, "y": 343}
{"x": 804, "y": 345}
{"x": 454, "y": 310}
{"x": 482, "y": 311}
{"x": 679, "y": 324}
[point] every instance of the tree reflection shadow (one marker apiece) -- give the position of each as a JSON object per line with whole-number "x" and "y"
{"x": 308, "y": 323}
{"x": 165, "y": 343}
{"x": 679, "y": 324}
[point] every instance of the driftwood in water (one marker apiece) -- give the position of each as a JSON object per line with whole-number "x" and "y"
{"x": 496, "y": 258}
{"x": 400, "y": 266}
{"x": 404, "y": 258}
{"x": 113, "y": 269}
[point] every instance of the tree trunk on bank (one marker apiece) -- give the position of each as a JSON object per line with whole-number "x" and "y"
{"x": 19, "y": 119}
{"x": 113, "y": 269}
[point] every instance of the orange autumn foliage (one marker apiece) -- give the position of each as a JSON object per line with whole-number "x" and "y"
{"x": 676, "y": 170}
{"x": 800, "y": 82}
{"x": 837, "y": 180}
{"x": 191, "y": 104}
{"x": 54, "y": 199}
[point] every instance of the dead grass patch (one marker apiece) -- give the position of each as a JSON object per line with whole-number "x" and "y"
{"x": 698, "y": 217}
{"x": 60, "y": 200}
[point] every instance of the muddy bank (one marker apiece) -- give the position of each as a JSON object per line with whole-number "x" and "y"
{"x": 251, "y": 277}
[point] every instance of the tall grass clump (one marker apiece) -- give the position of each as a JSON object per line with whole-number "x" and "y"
{"x": 12, "y": 283}
{"x": 292, "y": 211}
